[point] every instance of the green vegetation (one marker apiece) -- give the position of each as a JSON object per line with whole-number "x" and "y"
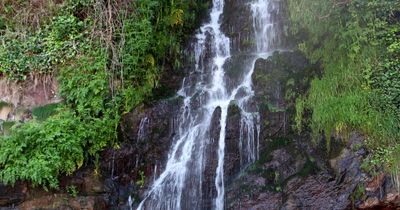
{"x": 43, "y": 112}
{"x": 6, "y": 127}
{"x": 108, "y": 58}
{"x": 358, "y": 45}
{"x": 39, "y": 152}
{"x": 275, "y": 182}
{"x": 72, "y": 191}
{"x": 359, "y": 193}
{"x": 3, "y": 104}
{"x": 141, "y": 180}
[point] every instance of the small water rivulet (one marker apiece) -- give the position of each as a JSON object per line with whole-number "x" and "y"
{"x": 198, "y": 149}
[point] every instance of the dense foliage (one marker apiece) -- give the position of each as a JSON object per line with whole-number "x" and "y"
{"x": 358, "y": 45}
{"x": 108, "y": 57}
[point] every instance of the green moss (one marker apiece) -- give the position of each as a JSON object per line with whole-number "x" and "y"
{"x": 279, "y": 142}
{"x": 273, "y": 108}
{"x": 336, "y": 148}
{"x": 269, "y": 174}
{"x": 233, "y": 109}
{"x": 3, "y": 104}
{"x": 7, "y": 125}
{"x": 2, "y": 23}
{"x": 273, "y": 144}
{"x": 273, "y": 180}
{"x": 43, "y": 112}
{"x": 310, "y": 167}
{"x": 248, "y": 43}
{"x": 359, "y": 193}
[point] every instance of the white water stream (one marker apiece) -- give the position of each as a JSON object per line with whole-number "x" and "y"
{"x": 180, "y": 185}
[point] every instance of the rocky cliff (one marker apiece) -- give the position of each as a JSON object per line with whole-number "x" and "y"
{"x": 291, "y": 172}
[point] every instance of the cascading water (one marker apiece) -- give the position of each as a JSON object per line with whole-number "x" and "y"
{"x": 207, "y": 96}
{"x": 142, "y": 128}
{"x": 264, "y": 26}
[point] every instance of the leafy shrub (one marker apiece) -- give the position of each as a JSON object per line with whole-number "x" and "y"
{"x": 40, "y": 51}
{"x": 71, "y": 44}
{"x": 84, "y": 84}
{"x": 39, "y": 152}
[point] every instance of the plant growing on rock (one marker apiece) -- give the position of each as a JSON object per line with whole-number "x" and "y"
{"x": 357, "y": 44}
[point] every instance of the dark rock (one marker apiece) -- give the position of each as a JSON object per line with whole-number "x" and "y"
{"x": 86, "y": 182}
{"x": 232, "y": 151}
{"x": 89, "y": 188}
{"x": 12, "y": 195}
{"x": 211, "y": 160}
{"x": 284, "y": 164}
{"x": 293, "y": 185}
{"x": 64, "y": 202}
{"x": 277, "y": 82}
{"x": 147, "y": 135}
{"x": 169, "y": 83}
{"x": 234, "y": 69}
{"x": 237, "y": 24}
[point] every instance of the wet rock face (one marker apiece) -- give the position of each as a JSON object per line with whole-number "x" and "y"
{"x": 232, "y": 151}
{"x": 390, "y": 201}
{"x": 211, "y": 161}
{"x": 291, "y": 172}
{"x": 277, "y": 81}
{"x": 234, "y": 69}
{"x": 237, "y": 24}
{"x": 35, "y": 91}
{"x": 147, "y": 133}
{"x": 377, "y": 192}
{"x": 288, "y": 179}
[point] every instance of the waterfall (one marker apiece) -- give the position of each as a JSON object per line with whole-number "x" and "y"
{"x": 142, "y": 128}
{"x": 206, "y": 96}
{"x": 264, "y": 26}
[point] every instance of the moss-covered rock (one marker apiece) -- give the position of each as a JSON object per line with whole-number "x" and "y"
{"x": 278, "y": 81}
